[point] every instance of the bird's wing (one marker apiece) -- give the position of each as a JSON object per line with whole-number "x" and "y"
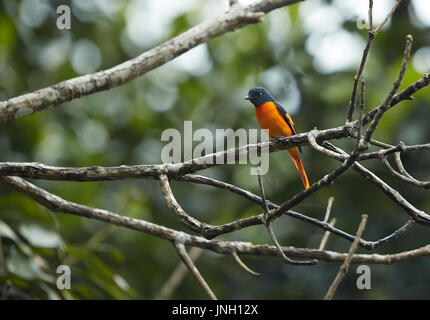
{"x": 287, "y": 119}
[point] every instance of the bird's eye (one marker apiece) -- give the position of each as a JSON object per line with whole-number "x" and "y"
{"x": 260, "y": 93}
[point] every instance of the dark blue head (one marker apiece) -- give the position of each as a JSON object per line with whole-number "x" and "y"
{"x": 258, "y": 96}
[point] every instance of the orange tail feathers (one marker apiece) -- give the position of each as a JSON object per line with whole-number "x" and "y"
{"x": 294, "y": 153}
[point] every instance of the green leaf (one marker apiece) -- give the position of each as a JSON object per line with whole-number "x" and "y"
{"x": 40, "y": 237}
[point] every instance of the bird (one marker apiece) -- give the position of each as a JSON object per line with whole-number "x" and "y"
{"x": 274, "y": 118}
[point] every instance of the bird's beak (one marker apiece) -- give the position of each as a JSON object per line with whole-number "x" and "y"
{"x": 247, "y": 98}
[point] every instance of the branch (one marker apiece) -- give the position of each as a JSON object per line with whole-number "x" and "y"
{"x": 243, "y": 265}
{"x": 405, "y": 94}
{"x": 324, "y": 181}
{"x": 357, "y": 78}
{"x": 388, "y": 16}
{"x": 344, "y": 268}
{"x": 36, "y": 170}
{"x": 406, "y": 178}
{"x": 57, "y": 204}
{"x": 326, "y": 235}
{"x": 176, "y": 276}
{"x": 370, "y": 14}
{"x": 418, "y": 215}
{"x": 174, "y": 206}
{"x": 385, "y": 105}
{"x": 332, "y": 223}
{"x": 328, "y": 209}
{"x": 256, "y": 220}
{"x": 237, "y": 16}
{"x": 194, "y": 271}
{"x": 272, "y": 235}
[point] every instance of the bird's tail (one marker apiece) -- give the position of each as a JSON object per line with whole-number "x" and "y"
{"x": 294, "y": 153}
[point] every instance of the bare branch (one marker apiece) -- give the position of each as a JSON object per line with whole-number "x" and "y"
{"x": 38, "y": 170}
{"x": 410, "y": 179}
{"x": 418, "y": 215}
{"x": 243, "y": 265}
{"x": 326, "y": 235}
{"x": 357, "y": 77}
{"x": 394, "y": 235}
{"x": 361, "y": 145}
{"x": 255, "y": 220}
{"x": 324, "y": 181}
{"x": 177, "y": 275}
{"x": 344, "y": 268}
{"x": 57, "y": 204}
{"x": 263, "y": 194}
{"x": 194, "y": 271}
{"x": 405, "y": 94}
{"x": 35, "y": 170}
{"x": 272, "y": 235}
{"x": 393, "y": 149}
{"x": 332, "y": 223}
{"x": 236, "y": 17}
{"x": 406, "y": 178}
{"x": 174, "y": 206}
{"x": 385, "y": 105}
{"x": 400, "y": 166}
{"x": 328, "y": 209}
{"x": 388, "y": 16}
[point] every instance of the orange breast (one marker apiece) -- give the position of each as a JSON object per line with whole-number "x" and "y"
{"x": 269, "y": 118}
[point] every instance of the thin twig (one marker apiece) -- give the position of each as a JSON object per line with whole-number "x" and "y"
{"x": 272, "y": 235}
{"x": 403, "y": 229}
{"x": 385, "y": 105}
{"x": 418, "y": 215}
{"x": 344, "y": 268}
{"x": 360, "y": 144}
{"x": 387, "y": 17}
{"x": 370, "y": 36}
{"x": 177, "y": 275}
{"x": 328, "y": 209}
{"x": 405, "y": 94}
{"x": 174, "y": 206}
{"x": 399, "y": 163}
{"x": 194, "y": 271}
{"x": 413, "y": 181}
{"x": 263, "y": 194}
{"x": 243, "y": 265}
{"x": 326, "y": 235}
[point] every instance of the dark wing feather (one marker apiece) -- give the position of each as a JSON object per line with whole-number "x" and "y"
{"x": 290, "y": 123}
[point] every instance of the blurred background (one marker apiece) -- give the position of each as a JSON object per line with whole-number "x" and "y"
{"x": 305, "y": 54}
